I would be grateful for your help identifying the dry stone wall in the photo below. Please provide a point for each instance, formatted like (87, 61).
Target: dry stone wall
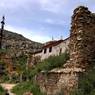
(82, 42)
(48, 82)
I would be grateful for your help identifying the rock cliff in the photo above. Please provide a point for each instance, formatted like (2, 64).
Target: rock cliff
(18, 44)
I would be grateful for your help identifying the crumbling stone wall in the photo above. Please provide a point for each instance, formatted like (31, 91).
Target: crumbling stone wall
(82, 52)
(48, 82)
(82, 41)
(58, 81)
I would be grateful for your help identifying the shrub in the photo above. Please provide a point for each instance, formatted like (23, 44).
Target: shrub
(2, 91)
(86, 83)
(50, 63)
(3, 50)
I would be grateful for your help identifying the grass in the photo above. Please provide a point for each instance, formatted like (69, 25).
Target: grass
(22, 88)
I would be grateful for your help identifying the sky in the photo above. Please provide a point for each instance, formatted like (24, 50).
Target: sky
(41, 20)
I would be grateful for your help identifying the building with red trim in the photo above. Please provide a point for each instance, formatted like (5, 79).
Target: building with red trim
(52, 48)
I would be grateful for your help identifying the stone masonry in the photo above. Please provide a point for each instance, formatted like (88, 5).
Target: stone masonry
(82, 41)
(82, 55)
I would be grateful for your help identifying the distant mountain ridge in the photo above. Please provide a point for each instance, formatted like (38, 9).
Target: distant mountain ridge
(18, 44)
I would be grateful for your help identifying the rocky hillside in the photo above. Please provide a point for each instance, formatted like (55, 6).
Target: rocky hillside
(18, 44)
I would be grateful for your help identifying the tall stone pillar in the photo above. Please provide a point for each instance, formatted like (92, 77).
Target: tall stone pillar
(82, 38)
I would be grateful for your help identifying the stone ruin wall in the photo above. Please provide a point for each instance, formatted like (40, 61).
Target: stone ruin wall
(82, 42)
(48, 82)
(57, 83)
(82, 55)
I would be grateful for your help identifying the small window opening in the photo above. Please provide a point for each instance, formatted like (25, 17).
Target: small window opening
(45, 50)
(50, 49)
(60, 51)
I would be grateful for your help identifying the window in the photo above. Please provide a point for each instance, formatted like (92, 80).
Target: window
(60, 51)
(45, 50)
(50, 49)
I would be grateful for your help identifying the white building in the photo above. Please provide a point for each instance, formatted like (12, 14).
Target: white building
(52, 48)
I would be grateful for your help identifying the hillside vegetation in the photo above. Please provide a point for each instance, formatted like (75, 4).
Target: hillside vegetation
(46, 65)
(50, 63)
(24, 87)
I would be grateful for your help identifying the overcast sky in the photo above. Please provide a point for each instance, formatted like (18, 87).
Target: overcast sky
(40, 20)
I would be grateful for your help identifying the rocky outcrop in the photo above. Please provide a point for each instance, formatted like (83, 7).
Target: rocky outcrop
(17, 44)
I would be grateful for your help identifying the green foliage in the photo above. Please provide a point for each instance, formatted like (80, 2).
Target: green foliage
(20, 67)
(2, 91)
(4, 78)
(22, 88)
(3, 50)
(21, 62)
(1, 62)
(87, 83)
(56, 61)
(50, 63)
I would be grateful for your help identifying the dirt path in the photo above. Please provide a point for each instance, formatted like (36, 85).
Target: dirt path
(8, 87)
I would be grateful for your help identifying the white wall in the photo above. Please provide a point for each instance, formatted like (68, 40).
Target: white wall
(55, 50)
